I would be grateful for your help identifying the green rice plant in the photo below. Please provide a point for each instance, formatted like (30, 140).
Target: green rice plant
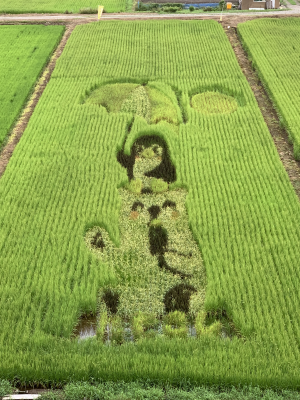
(135, 186)
(201, 329)
(274, 49)
(138, 103)
(102, 325)
(116, 330)
(66, 6)
(158, 185)
(140, 390)
(141, 323)
(111, 96)
(25, 50)
(148, 153)
(234, 202)
(156, 223)
(214, 103)
(175, 325)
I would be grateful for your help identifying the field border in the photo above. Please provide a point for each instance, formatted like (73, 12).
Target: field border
(22, 120)
(272, 119)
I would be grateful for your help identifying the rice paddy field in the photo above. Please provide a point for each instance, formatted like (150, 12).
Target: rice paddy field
(55, 6)
(146, 195)
(24, 52)
(273, 46)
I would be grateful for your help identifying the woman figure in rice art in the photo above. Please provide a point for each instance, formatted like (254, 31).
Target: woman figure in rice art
(158, 263)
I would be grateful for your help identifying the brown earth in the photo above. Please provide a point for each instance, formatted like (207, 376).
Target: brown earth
(231, 19)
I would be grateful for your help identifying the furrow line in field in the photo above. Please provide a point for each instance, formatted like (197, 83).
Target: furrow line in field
(41, 84)
(278, 133)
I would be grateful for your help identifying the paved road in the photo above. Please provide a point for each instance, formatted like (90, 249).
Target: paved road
(294, 11)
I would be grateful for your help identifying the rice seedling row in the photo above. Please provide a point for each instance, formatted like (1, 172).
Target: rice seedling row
(146, 190)
(65, 6)
(24, 52)
(274, 49)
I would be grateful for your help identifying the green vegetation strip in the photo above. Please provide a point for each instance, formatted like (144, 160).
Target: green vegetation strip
(64, 6)
(274, 48)
(63, 180)
(24, 52)
(146, 391)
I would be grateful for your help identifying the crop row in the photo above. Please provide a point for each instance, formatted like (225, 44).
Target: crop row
(273, 46)
(65, 6)
(63, 179)
(24, 52)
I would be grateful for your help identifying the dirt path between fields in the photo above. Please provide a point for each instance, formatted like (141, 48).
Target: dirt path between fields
(22, 123)
(279, 134)
(228, 18)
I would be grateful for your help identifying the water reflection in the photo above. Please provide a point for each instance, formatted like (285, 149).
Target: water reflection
(86, 328)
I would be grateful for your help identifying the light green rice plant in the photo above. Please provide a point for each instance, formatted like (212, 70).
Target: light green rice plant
(116, 330)
(24, 53)
(148, 153)
(175, 325)
(65, 6)
(201, 329)
(135, 186)
(111, 96)
(138, 103)
(158, 185)
(64, 178)
(276, 59)
(102, 325)
(214, 103)
(141, 323)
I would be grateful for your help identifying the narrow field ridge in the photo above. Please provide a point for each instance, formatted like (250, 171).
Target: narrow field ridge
(22, 123)
(21, 397)
(232, 17)
(279, 134)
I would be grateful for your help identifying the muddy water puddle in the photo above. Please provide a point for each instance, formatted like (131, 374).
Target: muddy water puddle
(86, 327)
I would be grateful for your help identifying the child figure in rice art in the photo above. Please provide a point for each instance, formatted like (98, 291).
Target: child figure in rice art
(158, 263)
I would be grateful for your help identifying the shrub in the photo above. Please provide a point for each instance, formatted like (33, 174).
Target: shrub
(191, 8)
(170, 9)
(5, 388)
(178, 5)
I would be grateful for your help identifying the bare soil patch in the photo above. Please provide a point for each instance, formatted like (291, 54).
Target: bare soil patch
(231, 19)
(279, 134)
